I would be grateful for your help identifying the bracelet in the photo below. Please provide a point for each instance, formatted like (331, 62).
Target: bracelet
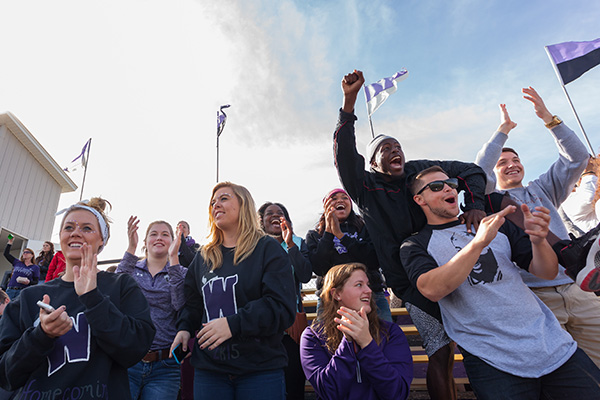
(555, 121)
(589, 173)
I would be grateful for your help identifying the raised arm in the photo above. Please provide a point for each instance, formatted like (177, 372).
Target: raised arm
(7, 254)
(349, 163)
(351, 84)
(437, 283)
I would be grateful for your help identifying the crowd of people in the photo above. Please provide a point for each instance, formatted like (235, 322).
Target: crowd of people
(502, 280)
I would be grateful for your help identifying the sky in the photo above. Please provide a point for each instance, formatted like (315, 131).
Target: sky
(144, 80)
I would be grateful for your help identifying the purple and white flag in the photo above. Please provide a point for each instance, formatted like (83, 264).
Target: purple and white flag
(80, 161)
(573, 59)
(221, 119)
(378, 92)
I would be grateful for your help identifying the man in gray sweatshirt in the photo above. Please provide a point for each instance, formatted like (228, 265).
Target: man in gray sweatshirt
(577, 311)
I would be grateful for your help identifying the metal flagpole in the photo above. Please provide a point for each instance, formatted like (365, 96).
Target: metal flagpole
(570, 102)
(218, 134)
(87, 159)
(367, 105)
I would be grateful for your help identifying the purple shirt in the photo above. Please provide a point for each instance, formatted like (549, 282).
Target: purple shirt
(164, 292)
(375, 372)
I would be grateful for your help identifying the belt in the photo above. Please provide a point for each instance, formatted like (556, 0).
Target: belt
(156, 355)
(15, 288)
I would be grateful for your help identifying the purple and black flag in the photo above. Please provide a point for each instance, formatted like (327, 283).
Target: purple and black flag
(573, 59)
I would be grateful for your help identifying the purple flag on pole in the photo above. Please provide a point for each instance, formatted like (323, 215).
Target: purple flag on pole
(221, 119)
(75, 164)
(573, 59)
(378, 92)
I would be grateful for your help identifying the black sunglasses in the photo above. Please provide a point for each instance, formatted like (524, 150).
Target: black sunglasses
(436, 186)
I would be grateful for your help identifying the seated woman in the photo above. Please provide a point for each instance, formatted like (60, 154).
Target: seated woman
(275, 221)
(341, 237)
(160, 277)
(239, 294)
(348, 352)
(24, 273)
(100, 326)
(44, 259)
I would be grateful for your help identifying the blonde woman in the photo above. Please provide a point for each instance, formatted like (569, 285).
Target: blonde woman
(99, 327)
(240, 295)
(24, 273)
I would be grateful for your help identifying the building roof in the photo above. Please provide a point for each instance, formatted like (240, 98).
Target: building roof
(37, 150)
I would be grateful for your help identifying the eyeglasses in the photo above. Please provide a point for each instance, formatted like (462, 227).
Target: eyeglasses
(436, 186)
(27, 252)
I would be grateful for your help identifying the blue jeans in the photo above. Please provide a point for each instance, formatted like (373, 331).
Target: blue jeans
(264, 385)
(578, 378)
(155, 380)
(383, 307)
(13, 293)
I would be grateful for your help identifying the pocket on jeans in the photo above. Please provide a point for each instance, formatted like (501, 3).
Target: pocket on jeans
(170, 363)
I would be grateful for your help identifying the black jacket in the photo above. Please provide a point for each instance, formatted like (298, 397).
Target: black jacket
(358, 246)
(389, 211)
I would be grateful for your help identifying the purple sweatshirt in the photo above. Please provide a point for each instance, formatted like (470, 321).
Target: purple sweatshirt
(164, 293)
(375, 372)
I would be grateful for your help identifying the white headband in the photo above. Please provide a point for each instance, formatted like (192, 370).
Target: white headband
(101, 221)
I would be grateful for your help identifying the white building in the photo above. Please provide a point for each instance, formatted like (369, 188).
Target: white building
(31, 183)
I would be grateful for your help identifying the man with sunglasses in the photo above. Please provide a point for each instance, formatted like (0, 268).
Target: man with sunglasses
(391, 216)
(513, 346)
(577, 311)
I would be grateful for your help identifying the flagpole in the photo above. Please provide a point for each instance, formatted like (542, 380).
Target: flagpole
(85, 168)
(218, 134)
(570, 102)
(367, 105)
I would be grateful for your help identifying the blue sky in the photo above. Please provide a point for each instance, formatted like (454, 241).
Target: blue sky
(144, 79)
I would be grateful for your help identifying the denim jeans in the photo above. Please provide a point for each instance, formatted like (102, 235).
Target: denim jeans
(13, 293)
(383, 307)
(155, 380)
(578, 378)
(264, 385)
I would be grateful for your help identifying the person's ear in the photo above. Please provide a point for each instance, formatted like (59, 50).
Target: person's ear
(419, 200)
(334, 294)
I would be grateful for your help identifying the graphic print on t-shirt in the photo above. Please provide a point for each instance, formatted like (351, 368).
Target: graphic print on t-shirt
(219, 297)
(485, 269)
(73, 346)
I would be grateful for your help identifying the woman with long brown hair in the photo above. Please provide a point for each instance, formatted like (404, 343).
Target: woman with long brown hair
(44, 259)
(160, 277)
(348, 352)
(239, 293)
